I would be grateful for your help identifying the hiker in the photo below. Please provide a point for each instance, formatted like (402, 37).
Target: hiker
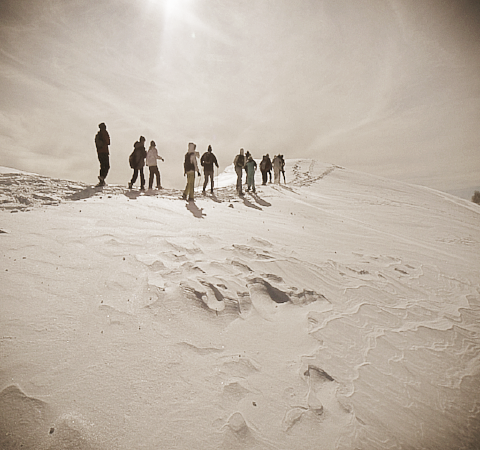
(266, 169)
(247, 155)
(102, 141)
(137, 161)
(277, 167)
(238, 164)
(152, 156)
(207, 160)
(189, 168)
(250, 168)
(282, 168)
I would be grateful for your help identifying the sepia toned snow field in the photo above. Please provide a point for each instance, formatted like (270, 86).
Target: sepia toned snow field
(338, 310)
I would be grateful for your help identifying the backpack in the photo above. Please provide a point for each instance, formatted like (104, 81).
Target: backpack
(98, 140)
(188, 165)
(207, 159)
(131, 160)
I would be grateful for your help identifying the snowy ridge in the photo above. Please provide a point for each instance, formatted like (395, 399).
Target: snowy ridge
(337, 311)
(21, 191)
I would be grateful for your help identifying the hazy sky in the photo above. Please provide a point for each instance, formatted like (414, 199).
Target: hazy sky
(389, 87)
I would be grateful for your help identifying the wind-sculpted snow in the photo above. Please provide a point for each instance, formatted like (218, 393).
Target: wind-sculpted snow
(23, 191)
(342, 311)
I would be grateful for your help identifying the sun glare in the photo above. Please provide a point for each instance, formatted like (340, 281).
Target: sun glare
(175, 8)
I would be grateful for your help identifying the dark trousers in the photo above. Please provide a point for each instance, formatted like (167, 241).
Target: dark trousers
(104, 160)
(208, 174)
(154, 172)
(264, 177)
(135, 176)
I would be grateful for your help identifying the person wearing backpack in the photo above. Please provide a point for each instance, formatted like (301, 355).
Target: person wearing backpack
(238, 164)
(265, 168)
(190, 166)
(137, 162)
(152, 156)
(207, 160)
(102, 141)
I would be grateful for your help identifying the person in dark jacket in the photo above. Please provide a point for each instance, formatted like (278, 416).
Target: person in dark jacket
(190, 166)
(102, 141)
(138, 163)
(207, 160)
(247, 156)
(238, 164)
(266, 169)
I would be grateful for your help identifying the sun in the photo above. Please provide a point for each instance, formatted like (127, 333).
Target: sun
(176, 8)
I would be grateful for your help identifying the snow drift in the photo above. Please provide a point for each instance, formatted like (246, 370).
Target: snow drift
(337, 311)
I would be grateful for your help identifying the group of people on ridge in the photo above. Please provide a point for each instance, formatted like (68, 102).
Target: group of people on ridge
(137, 162)
(136, 159)
(190, 167)
(278, 166)
(139, 156)
(245, 161)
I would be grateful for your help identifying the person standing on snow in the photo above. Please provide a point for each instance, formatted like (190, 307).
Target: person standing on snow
(152, 156)
(138, 162)
(102, 141)
(282, 169)
(190, 166)
(265, 168)
(238, 164)
(207, 160)
(247, 155)
(277, 167)
(250, 168)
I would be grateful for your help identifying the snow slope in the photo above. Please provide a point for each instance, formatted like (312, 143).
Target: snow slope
(337, 311)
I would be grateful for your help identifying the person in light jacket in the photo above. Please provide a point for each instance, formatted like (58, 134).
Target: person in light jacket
(152, 157)
(250, 168)
(277, 167)
(190, 167)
